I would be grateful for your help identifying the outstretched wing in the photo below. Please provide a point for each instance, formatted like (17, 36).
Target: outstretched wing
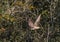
(30, 23)
(37, 20)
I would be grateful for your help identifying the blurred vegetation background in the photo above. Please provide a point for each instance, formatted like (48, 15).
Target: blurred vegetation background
(14, 15)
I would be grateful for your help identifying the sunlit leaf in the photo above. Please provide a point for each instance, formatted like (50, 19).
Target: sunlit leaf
(12, 19)
(31, 7)
(6, 16)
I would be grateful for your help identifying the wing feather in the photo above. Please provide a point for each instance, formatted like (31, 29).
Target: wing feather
(37, 20)
(30, 23)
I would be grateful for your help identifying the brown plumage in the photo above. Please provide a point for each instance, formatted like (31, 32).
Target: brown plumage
(35, 24)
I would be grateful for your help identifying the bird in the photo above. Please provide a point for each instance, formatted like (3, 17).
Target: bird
(34, 25)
